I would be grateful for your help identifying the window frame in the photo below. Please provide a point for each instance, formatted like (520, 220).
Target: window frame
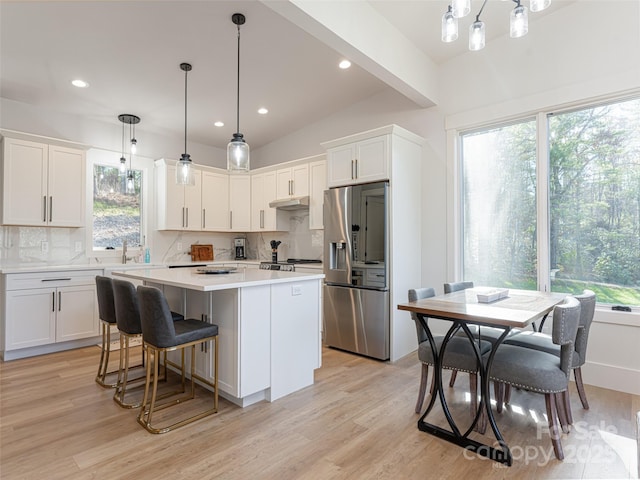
(112, 159)
(455, 257)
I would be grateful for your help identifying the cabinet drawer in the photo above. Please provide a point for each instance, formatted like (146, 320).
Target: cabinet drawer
(20, 281)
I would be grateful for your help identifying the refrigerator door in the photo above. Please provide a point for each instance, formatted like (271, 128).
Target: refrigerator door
(337, 238)
(357, 320)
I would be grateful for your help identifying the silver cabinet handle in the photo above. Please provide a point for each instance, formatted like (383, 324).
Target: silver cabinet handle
(182, 217)
(230, 220)
(55, 279)
(204, 218)
(186, 223)
(59, 300)
(53, 301)
(352, 166)
(50, 209)
(261, 218)
(44, 208)
(356, 168)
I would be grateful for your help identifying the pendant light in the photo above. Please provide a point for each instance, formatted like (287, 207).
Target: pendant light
(518, 21)
(184, 170)
(238, 149)
(449, 26)
(131, 120)
(123, 161)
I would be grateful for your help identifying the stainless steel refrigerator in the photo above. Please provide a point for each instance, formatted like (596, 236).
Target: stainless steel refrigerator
(356, 290)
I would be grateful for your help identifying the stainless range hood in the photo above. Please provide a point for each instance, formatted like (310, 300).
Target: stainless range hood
(294, 203)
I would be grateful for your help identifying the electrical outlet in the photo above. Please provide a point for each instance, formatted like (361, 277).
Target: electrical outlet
(44, 246)
(296, 290)
(179, 246)
(78, 247)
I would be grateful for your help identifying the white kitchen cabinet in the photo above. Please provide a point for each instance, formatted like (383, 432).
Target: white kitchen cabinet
(215, 201)
(317, 186)
(49, 307)
(263, 217)
(178, 207)
(43, 185)
(239, 203)
(358, 162)
(292, 181)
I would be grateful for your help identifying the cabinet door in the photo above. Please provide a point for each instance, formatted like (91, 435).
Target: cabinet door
(263, 191)
(173, 201)
(240, 202)
(198, 306)
(257, 202)
(341, 165)
(300, 180)
(193, 203)
(318, 182)
(76, 310)
(283, 183)
(372, 159)
(215, 201)
(66, 187)
(30, 318)
(24, 183)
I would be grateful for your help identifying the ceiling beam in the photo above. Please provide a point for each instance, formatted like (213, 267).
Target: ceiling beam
(362, 35)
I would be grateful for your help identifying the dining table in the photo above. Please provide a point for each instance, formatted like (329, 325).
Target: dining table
(517, 309)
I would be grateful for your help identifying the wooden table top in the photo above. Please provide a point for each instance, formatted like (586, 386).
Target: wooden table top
(518, 309)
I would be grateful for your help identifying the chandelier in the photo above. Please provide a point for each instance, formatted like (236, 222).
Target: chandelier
(518, 21)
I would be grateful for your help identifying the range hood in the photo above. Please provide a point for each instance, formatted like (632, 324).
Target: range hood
(294, 203)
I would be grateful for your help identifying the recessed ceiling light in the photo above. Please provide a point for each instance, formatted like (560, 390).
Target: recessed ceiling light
(344, 64)
(79, 83)
(219, 124)
(263, 111)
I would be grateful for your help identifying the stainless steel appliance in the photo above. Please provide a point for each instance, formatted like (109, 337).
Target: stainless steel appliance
(239, 244)
(356, 291)
(288, 265)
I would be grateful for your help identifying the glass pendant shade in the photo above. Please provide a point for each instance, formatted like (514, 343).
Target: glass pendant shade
(460, 8)
(519, 22)
(134, 146)
(123, 165)
(539, 5)
(238, 154)
(130, 182)
(449, 27)
(184, 171)
(476, 36)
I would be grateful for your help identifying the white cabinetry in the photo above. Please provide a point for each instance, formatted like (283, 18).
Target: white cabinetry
(178, 207)
(317, 186)
(49, 307)
(292, 181)
(239, 203)
(358, 162)
(215, 201)
(263, 217)
(42, 185)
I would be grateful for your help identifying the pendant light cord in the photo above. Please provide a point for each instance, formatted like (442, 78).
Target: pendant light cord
(238, 87)
(185, 110)
(480, 12)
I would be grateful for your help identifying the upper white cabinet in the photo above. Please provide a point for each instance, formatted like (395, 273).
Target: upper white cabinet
(358, 162)
(215, 201)
(317, 186)
(43, 184)
(178, 207)
(263, 217)
(239, 203)
(292, 181)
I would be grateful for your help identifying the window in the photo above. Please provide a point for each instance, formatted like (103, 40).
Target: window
(592, 224)
(116, 214)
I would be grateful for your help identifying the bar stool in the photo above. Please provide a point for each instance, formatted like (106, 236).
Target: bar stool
(107, 314)
(162, 335)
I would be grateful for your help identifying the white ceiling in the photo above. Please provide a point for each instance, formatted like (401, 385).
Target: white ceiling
(130, 53)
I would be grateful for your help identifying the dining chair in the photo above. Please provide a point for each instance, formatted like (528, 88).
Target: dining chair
(107, 315)
(161, 334)
(544, 343)
(459, 354)
(542, 372)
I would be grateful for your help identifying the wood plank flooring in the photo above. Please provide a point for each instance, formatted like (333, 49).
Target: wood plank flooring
(355, 422)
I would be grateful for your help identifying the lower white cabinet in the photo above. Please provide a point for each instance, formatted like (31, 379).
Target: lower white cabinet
(50, 307)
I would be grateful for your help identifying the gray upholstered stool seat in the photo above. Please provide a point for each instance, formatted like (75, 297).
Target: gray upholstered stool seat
(161, 334)
(107, 314)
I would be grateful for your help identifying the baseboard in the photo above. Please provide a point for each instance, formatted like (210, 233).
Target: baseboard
(612, 377)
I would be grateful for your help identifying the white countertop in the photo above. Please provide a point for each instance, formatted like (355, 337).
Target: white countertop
(189, 278)
(35, 268)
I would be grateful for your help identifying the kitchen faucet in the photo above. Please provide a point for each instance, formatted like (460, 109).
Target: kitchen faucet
(124, 252)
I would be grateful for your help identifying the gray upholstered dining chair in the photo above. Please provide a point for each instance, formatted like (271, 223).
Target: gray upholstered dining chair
(107, 315)
(542, 372)
(544, 343)
(459, 354)
(161, 334)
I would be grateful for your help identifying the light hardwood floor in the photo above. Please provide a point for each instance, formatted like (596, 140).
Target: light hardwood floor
(355, 422)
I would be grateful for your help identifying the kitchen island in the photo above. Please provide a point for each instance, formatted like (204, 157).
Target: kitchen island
(269, 325)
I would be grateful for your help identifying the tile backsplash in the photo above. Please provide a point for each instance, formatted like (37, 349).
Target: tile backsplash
(31, 246)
